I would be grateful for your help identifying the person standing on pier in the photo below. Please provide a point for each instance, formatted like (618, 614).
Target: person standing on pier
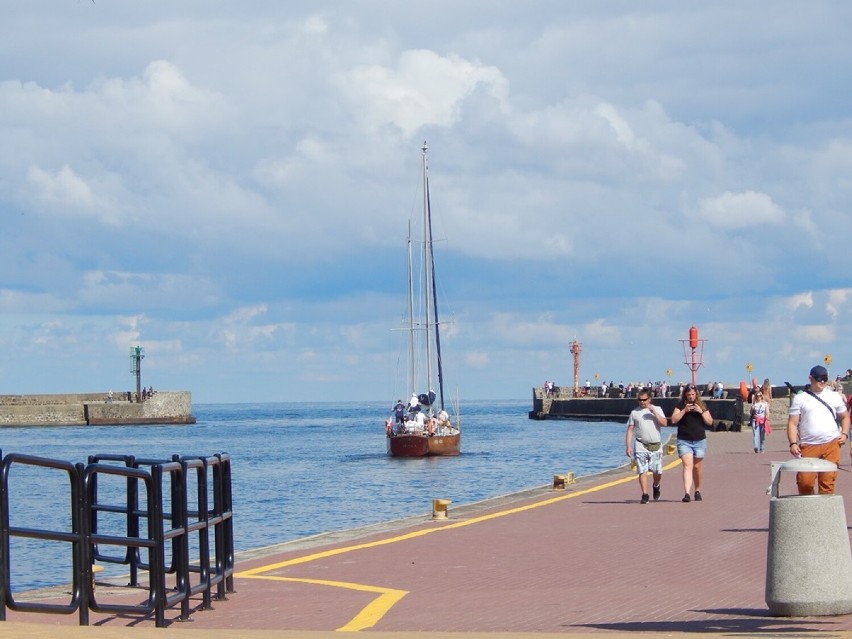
(759, 421)
(812, 430)
(691, 417)
(643, 443)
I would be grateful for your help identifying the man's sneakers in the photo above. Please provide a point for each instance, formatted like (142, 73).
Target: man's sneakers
(645, 498)
(686, 498)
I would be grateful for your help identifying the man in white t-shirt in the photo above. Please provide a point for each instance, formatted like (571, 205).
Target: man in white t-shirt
(643, 426)
(812, 430)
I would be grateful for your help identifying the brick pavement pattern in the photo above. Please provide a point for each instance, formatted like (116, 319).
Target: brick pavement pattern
(590, 559)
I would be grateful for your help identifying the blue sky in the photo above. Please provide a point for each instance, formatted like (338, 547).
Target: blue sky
(228, 186)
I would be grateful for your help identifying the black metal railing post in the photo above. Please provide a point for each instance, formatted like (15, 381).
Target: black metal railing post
(74, 537)
(171, 525)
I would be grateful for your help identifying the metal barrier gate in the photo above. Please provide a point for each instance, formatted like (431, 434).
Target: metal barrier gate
(169, 509)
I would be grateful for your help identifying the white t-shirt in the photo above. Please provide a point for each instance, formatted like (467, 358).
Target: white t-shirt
(645, 427)
(419, 421)
(817, 425)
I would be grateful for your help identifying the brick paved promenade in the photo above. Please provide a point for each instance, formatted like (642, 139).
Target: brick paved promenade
(588, 560)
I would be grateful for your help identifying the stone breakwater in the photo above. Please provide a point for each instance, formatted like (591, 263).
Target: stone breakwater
(80, 409)
(729, 414)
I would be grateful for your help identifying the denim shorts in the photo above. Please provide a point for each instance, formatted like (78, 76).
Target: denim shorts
(688, 447)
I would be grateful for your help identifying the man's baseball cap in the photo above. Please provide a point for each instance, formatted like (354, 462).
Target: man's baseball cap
(819, 373)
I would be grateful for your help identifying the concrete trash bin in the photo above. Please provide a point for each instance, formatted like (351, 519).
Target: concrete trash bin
(808, 558)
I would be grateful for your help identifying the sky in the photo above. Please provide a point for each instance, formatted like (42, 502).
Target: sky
(229, 186)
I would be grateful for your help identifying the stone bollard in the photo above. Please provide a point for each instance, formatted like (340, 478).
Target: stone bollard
(808, 559)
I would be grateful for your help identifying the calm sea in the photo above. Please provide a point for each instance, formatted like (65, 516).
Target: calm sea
(304, 468)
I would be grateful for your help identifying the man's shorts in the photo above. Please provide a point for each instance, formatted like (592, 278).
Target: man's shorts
(646, 460)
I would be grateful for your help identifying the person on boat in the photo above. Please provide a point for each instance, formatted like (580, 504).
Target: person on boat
(431, 423)
(399, 411)
(419, 420)
(404, 426)
(443, 422)
(413, 403)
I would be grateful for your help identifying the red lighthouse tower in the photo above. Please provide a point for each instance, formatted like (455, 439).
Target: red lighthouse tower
(693, 353)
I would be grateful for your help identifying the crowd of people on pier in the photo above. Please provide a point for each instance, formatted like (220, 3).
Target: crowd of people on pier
(628, 390)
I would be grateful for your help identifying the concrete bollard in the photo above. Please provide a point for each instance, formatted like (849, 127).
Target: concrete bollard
(808, 559)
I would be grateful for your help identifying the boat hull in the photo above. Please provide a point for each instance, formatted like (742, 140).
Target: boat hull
(418, 445)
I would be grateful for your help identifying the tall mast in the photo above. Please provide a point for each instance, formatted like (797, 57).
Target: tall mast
(412, 368)
(427, 272)
(431, 286)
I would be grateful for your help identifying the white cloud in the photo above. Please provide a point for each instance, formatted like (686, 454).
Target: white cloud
(162, 96)
(734, 211)
(601, 331)
(836, 301)
(476, 359)
(424, 89)
(64, 192)
(128, 336)
(804, 299)
(816, 334)
(62, 188)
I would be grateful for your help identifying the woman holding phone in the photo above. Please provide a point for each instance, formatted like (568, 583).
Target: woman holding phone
(691, 418)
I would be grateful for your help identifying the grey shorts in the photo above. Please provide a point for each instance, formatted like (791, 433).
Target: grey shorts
(648, 461)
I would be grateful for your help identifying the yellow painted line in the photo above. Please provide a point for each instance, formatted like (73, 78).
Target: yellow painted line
(428, 531)
(379, 607)
(369, 615)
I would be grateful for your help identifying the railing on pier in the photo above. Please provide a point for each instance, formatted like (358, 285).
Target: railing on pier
(159, 514)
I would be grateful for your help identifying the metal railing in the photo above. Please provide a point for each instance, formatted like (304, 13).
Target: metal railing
(153, 522)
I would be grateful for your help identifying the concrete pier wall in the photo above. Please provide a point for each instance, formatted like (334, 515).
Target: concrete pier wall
(727, 413)
(731, 413)
(77, 409)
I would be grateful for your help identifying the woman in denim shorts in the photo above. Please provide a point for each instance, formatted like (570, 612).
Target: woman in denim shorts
(691, 417)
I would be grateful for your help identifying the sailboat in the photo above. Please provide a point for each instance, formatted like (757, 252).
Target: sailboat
(422, 426)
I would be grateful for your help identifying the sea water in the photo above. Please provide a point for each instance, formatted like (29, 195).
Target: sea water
(299, 469)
